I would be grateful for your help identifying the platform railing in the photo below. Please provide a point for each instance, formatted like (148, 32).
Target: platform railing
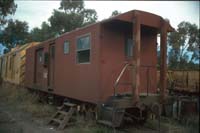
(119, 77)
(123, 71)
(148, 77)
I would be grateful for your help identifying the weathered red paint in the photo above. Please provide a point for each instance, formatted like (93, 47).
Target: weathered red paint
(136, 59)
(93, 82)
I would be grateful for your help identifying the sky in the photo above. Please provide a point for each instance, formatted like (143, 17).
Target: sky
(35, 12)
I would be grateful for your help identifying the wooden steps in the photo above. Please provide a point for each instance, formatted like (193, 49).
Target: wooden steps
(63, 117)
(56, 120)
(108, 123)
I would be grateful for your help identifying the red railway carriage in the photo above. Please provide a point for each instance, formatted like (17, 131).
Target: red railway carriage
(84, 64)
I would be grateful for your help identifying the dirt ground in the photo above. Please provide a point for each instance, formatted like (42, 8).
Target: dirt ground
(20, 112)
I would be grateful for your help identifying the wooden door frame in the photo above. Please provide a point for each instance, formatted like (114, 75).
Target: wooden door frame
(49, 67)
(35, 66)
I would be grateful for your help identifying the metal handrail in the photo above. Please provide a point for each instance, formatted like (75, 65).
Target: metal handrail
(119, 77)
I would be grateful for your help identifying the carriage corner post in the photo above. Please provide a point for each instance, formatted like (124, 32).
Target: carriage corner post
(136, 58)
(163, 68)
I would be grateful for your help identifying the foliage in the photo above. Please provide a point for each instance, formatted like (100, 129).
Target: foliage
(115, 12)
(16, 32)
(7, 7)
(62, 22)
(41, 34)
(184, 44)
(72, 6)
(71, 15)
(90, 16)
(74, 16)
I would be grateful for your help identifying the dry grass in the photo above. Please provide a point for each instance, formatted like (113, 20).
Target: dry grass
(191, 123)
(186, 125)
(21, 98)
(90, 129)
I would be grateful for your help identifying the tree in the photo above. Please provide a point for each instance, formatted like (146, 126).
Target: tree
(71, 15)
(90, 16)
(61, 22)
(72, 6)
(7, 7)
(42, 34)
(114, 13)
(184, 46)
(74, 16)
(16, 32)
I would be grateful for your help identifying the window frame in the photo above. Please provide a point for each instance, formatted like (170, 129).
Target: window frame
(90, 48)
(68, 42)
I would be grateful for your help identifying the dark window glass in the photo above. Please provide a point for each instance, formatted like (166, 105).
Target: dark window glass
(52, 51)
(83, 56)
(40, 56)
(46, 58)
(129, 48)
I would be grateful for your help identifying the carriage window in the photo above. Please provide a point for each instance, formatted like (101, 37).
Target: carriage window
(129, 48)
(52, 51)
(66, 47)
(83, 49)
(40, 56)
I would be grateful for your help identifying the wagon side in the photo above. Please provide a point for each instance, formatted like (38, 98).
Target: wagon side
(63, 67)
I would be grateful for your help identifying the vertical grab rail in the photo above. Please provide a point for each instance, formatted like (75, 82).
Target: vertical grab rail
(148, 82)
(119, 77)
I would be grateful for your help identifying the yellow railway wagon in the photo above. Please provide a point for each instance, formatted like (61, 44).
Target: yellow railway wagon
(4, 63)
(13, 64)
(183, 80)
(186, 80)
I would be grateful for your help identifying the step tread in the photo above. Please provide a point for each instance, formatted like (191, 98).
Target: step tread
(63, 112)
(105, 122)
(56, 120)
(69, 104)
